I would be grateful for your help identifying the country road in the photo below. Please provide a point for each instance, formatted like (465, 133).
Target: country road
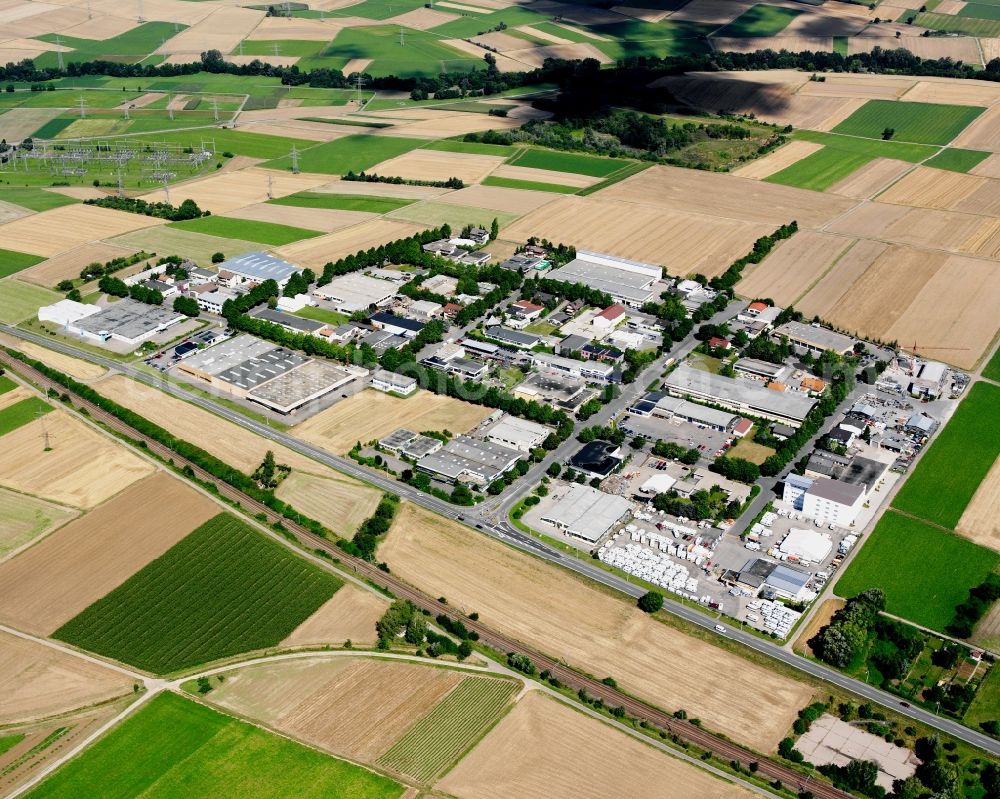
(504, 532)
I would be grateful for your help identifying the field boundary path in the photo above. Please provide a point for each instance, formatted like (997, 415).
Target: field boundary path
(507, 535)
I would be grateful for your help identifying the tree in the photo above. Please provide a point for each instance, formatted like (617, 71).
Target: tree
(218, 258)
(187, 306)
(554, 469)
(494, 229)
(651, 602)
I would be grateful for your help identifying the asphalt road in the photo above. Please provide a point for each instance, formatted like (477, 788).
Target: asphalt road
(504, 532)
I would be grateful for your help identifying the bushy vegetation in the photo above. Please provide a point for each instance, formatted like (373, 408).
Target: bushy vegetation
(119, 288)
(371, 177)
(981, 599)
(161, 210)
(366, 539)
(841, 641)
(224, 589)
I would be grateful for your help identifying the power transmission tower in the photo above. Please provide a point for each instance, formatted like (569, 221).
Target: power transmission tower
(401, 39)
(215, 109)
(295, 160)
(270, 187)
(170, 108)
(360, 81)
(166, 190)
(121, 182)
(46, 435)
(59, 56)
(83, 107)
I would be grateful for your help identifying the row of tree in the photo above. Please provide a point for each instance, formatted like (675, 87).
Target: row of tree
(161, 210)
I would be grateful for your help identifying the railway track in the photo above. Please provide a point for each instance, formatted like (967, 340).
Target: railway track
(725, 750)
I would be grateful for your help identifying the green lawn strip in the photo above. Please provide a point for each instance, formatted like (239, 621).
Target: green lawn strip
(437, 739)
(355, 152)
(342, 202)
(530, 185)
(876, 148)
(922, 123)
(12, 261)
(255, 145)
(6, 384)
(616, 177)
(576, 163)
(475, 148)
(955, 160)
(759, 20)
(840, 45)
(925, 571)
(53, 127)
(246, 229)
(222, 590)
(20, 413)
(981, 11)
(323, 315)
(8, 742)
(992, 368)
(986, 705)
(473, 24)
(20, 300)
(175, 748)
(820, 170)
(950, 471)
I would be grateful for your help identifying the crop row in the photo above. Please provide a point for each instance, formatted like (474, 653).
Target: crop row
(222, 590)
(441, 736)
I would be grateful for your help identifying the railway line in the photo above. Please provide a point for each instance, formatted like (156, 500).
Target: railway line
(720, 747)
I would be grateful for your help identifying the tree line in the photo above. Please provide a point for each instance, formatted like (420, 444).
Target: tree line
(161, 210)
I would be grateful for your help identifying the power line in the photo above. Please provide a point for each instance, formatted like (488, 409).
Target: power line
(215, 109)
(83, 107)
(59, 55)
(295, 160)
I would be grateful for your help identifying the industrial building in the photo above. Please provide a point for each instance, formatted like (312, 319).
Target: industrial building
(658, 405)
(397, 325)
(470, 460)
(392, 383)
(514, 338)
(628, 282)
(409, 444)
(811, 546)
(290, 322)
(356, 292)
(309, 381)
(584, 512)
(826, 500)
(584, 370)
(564, 392)
(126, 321)
(756, 369)
(596, 458)
(256, 267)
(761, 575)
(742, 396)
(516, 433)
(815, 339)
(66, 312)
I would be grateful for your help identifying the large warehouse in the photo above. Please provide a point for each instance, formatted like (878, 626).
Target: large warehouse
(629, 282)
(584, 512)
(256, 267)
(355, 292)
(470, 461)
(740, 395)
(126, 321)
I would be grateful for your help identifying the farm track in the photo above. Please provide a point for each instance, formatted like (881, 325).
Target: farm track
(723, 749)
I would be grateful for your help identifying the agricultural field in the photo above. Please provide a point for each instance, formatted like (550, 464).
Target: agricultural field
(821, 170)
(39, 681)
(11, 262)
(173, 747)
(355, 153)
(544, 749)
(21, 413)
(925, 571)
(759, 20)
(576, 163)
(957, 461)
(222, 590)
(349, 616)
(340, 504)
(431, 212)
(955, 159)
(434, 742)
(923, 123)
(51, 582)
(80, 369)
(371, 415)
(529, 185)
(20, 300)
(991, 370)
(512, 592)
(422, 164)
(246, 230)
(61, 474)
(24, 519)
(342, 202)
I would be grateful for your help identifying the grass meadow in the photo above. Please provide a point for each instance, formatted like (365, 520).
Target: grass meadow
(175, 748)
(992, 369)
(925, 571)
(246, 229)
(956, 23)
(593, 166)
(11, 261)
(128, 47)
(351, 153)
(950, 471)
(956, 160)
(875, 148)
(471, 147)
(35, 199)
(20, 413)
(529, 185)
(20, 300)
(222, 590)
(922, 123)
(342, 202)
(760, 20)
(820, 170)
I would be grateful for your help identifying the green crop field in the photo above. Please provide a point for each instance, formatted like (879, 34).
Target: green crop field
(255, 145)
(472, 24)
(128, 47)
(924, 571)
(529, 185)
(20, 300)
(434, 742)
(760, 20)
(342, 202)
(11, 261)
(593, 166)
(323, 315)
(222, 590)
(959, 457)
(875, 148)
(923, 123)
(956, 160)
(957, 23)
(246, 230)
(992, 369)
(421, 53)
(35, 199)
(6, 384)
(20, 413)
(53, 127)
(980, 11)
(357, 152)
(820, 170)
(174, 748)
(636, 38)
(195, 246)
(840, 45)
(8, 742)
(475, 148)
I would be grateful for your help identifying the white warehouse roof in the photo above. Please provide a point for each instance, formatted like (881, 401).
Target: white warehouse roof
(585, 512)
(66, 312)
(810, 545)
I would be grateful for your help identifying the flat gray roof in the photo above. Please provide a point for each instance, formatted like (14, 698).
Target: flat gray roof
(836, 490)
(356, 292)
(816, 336)
(259, 266)
(617, 282)
(298, 385)
(264, 367)
(397, 438)
(227, 354)
(128, 318)
(586, 512)
(686, 380)
(464, 454)
(288, 320)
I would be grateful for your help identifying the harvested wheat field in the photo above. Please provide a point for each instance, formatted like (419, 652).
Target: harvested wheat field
(725, 196)
(353, 707)
(81, 370)
(958, 48)
(299, 129)
(420, 19)
(873, 177)
(50, 583)
(322, 219)
(68, 265)
(23, 519)
(341, 504)
(504, 63)
(866, 87)
(794, 266)
(829, 291)
(497, 198)
(102, 27)
(988, 168)
(14, 396)
(221, 30)
(228, 191)
(531, 174)
(314, 253)
(795, 44)
(925, 187)
(350, 615)
(455, 124)
(982, 134)
(589, 628)
(437, 165)
(401, 192)
(781, 158)
(298, 29)
(20, 122)
(369, 415)
(60, 229)
(37, 681)
(63, 474)
(981, 519)
(954, 92)
(987, 632)
(820, 618)
(683, 242)
(543, 749)
(9, 212)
